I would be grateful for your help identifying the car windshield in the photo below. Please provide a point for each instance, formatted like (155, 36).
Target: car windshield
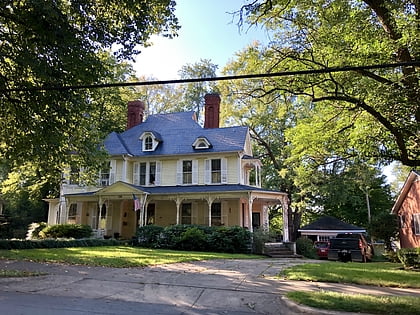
(321, 245)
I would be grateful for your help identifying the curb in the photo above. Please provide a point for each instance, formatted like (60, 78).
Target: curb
(304, 309)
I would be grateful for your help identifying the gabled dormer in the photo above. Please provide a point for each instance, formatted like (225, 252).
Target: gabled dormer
(150, 141)
(201, 143)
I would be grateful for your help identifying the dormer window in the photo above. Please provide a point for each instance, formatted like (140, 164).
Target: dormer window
(150, 141)
(201, 143)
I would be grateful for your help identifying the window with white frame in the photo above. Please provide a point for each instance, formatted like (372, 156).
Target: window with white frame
(147, 173)
(72, 217)
(74, 178)
(104, 175)
(150, 141)
(186, 211)
(416, 223)
(216, 214)
(216, 171)
(187, 172)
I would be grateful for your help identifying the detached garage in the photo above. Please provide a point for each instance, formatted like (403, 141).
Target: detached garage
(328, 227)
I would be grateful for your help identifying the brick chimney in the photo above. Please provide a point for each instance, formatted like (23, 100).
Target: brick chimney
(135, 111)
(211, 110)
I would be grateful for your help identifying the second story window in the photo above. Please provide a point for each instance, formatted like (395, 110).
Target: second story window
(104, 175)
(147, 173)
(74, 176)
(216, 171)
(187, 172)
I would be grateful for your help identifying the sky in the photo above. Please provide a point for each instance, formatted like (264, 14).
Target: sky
(208, 31)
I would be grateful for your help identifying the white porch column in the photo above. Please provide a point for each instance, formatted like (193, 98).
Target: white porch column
(178, 202)
(250, 202)
(285, 206)
(210, 202)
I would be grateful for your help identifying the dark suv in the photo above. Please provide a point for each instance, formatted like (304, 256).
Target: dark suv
(350, 247)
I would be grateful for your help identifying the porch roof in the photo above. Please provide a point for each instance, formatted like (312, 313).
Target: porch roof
(162, 190)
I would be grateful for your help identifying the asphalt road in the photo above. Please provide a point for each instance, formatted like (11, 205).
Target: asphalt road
(204, 287)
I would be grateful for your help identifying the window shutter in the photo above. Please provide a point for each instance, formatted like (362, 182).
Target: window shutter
(158, 172)
(224, 171)
(113, 169)
(195, 172)
(179, 172)
(136, 174)
(207, 172)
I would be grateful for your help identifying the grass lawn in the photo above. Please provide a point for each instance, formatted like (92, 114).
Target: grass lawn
(114, 256)
(376, 273)
(390, 305)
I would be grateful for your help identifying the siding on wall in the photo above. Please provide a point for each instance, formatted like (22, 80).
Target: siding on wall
(410, 206)
(169, 169)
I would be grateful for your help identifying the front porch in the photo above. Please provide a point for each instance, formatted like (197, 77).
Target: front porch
(117, 210)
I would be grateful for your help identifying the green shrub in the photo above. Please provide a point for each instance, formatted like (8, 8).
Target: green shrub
(196, 237)
(56, 243)
(391, 256)
(149, 236)
(193, 238)
(34, 229)
(259, 238)
(305, 247)
(66, 231)
(232, 239)
(409, 257)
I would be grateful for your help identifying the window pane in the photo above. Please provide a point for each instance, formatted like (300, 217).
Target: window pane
(142, 173)
(216, 214)
(216, 174)
(187, 172)
(152, 173)
(186, 213)
(148, 143)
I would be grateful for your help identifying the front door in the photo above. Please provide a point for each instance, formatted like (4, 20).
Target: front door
(256, 220)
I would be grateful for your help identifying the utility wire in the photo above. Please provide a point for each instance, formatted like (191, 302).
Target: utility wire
(225, 78)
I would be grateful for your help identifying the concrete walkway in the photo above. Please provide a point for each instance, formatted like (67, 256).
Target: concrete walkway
(205, 287)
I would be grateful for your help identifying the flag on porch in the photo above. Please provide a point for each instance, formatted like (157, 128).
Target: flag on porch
(136, 203)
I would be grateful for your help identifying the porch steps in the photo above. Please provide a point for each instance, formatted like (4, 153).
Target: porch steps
(279, 250)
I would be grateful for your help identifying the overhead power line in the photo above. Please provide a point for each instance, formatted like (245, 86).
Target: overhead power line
(224, 78)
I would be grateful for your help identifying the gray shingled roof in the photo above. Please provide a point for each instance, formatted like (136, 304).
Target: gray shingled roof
(329, 223)
(178, 131)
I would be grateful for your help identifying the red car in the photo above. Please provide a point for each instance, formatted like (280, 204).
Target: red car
(322, 249)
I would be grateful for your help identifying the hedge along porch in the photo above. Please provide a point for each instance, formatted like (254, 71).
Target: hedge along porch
(111, 210)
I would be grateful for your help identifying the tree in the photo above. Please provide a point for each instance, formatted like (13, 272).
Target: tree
(193, 93)
(60, 43)
(371, 114)
(317, 179)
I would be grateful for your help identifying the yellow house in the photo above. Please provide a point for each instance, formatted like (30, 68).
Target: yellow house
(171, 170)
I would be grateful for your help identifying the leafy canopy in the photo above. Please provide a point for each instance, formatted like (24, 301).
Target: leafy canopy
(61, 43)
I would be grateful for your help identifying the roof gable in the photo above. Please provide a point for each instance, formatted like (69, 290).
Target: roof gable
(412, 177)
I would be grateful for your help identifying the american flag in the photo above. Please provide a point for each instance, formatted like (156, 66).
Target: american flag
(136, 203)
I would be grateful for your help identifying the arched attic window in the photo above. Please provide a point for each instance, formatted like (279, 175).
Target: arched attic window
(150, 141)
(201, 143)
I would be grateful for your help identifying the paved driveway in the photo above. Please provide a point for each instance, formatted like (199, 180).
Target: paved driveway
(205, 287)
